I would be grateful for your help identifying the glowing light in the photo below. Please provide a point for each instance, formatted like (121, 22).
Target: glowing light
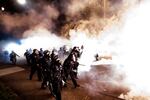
(12, 47)
(92, 45)
(22, 2)
(2, 8)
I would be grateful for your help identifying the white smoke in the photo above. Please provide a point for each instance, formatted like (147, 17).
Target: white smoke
(128, 46)
(36, 38)
(134, 49)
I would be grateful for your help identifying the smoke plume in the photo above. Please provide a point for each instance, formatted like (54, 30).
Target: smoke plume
(102, 27)
(62, 15)
(16, 23)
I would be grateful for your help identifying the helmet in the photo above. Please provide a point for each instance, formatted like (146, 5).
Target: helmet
(75, 49)
(35, 51)
(27, 50)
(46, 53)
(54, 55)
(41, 49)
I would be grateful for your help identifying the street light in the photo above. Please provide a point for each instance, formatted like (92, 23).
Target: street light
(22, 2)
(2, 8)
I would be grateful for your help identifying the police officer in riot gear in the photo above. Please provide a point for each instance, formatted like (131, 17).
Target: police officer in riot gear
(13, 57)
(35, 65)
(69, 69)
(56, 70)
(76, 52)
(27, 55)
(45, 66)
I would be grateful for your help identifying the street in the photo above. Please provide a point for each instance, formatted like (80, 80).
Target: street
(93, 86)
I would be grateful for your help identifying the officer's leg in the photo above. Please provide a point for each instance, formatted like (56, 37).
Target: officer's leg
(57, 91)
(39, 74)
(15, 60)
(28, 61)
(65, 75)
(43, 83)
(33, 69)
(44, 80)
(76, 68)
(58, 95)
(73, 80)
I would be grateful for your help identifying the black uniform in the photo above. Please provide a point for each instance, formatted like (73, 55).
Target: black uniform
(13, 57)
(69, 69)
(41, 53)
(27, 55)
(56, 69)
(35, 65)
(76, 53)
(97, 57)
(45, 65)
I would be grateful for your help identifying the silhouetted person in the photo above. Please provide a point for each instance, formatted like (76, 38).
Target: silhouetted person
(13, 57)
(28, 58)
(35, 65)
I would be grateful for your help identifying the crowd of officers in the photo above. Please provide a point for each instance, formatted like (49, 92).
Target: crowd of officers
(51, 71)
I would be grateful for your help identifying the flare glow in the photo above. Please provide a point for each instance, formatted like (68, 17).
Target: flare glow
(22, 2)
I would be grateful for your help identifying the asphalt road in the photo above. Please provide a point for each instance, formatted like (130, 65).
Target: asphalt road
(96, 84)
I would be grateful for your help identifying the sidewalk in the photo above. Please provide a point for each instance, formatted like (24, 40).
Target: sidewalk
(7, 71)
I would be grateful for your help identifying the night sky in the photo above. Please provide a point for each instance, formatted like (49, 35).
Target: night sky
(12, 7)
(57, 16)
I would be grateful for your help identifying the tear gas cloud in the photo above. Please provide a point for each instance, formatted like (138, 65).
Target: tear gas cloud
(42, 14)
(134, 49)
(17, 24)
(130, 50)
(123, 36)
(37, 23)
